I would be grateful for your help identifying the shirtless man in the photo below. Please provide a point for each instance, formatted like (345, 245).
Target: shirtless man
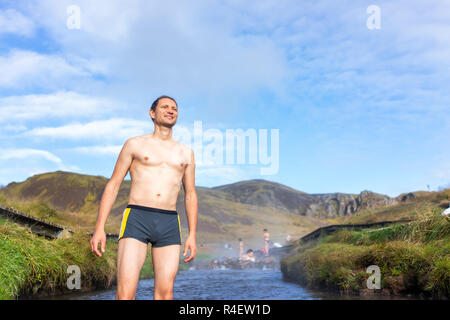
(241, 248)
(266, 237)
(157, 164)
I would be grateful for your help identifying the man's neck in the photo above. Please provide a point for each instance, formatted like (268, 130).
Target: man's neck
(162, 133)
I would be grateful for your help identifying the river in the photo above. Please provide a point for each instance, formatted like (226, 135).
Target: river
(219, 284)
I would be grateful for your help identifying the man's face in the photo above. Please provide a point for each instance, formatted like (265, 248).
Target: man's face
(166, 112)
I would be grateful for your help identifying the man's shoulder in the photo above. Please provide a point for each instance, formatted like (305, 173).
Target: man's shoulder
(137, 139)
(134, 143)
(131, 141)
(186, 151)
(183, 146)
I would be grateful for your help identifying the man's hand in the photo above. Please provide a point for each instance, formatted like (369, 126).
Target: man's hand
(98, 237)
(190, 245)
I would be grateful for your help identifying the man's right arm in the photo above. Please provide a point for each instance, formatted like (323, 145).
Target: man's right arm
(110, 194)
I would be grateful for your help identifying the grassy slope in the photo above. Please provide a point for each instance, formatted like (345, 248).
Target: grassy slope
(225, 225)
(413, 258)
(76, 198)
(30, 263)
(210, 241)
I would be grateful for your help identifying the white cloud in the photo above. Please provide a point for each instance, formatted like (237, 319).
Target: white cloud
(15, 128)
(389, 83)
(8, 154)
(61, 104)
(12, 21)
(17, 164)
(98, 150)
(111, 130)
(103, 130)
(26, 69)
(226, 51)
(182, 47)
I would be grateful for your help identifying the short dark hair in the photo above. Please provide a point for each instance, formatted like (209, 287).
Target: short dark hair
(155, 103)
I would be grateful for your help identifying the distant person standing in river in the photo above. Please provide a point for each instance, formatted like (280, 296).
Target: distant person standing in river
(157, 164)
(266, 237)
(241, 248)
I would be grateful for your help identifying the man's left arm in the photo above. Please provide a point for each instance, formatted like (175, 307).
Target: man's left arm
(191, 204)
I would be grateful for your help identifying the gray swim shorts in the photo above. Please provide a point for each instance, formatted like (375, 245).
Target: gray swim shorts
(160, 227)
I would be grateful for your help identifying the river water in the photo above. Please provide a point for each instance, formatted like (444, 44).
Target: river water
(219, 284)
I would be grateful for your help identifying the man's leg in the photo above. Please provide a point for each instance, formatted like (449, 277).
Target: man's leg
(130, 259)
(165, 267)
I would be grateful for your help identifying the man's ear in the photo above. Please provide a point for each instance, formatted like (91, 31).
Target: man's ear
(150, 113)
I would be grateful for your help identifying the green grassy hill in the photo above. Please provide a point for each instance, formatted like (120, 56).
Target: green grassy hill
(225, 214)
(242, 209)
(72, 200)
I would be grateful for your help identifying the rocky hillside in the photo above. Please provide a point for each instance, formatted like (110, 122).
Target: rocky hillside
(326, 205)
(225, 211)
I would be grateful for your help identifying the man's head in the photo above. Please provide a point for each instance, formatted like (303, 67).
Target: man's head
(164, 111)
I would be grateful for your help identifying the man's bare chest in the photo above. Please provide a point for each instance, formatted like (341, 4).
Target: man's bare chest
(160, 156)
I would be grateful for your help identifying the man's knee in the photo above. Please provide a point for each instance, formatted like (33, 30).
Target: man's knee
(125, 297)
(164, 293)
(123, 294)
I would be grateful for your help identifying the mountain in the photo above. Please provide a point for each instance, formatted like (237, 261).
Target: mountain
(228, 211)
(327, 205)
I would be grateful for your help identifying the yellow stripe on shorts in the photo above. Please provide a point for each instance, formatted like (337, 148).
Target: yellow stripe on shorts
(179, 226)
(124, 222)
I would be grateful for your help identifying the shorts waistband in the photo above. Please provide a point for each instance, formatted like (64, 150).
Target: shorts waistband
(150, 209)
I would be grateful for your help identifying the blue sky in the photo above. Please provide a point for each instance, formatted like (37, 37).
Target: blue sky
(355, 108)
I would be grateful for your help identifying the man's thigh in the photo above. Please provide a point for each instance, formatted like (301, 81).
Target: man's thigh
(130, 259)
(165, 265)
